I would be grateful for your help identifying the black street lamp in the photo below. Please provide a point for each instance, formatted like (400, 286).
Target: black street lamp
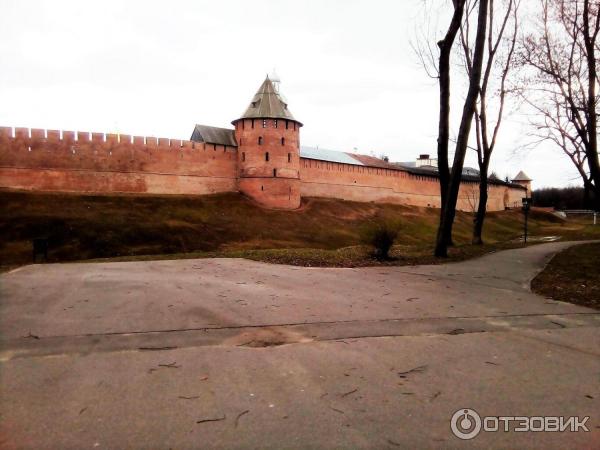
(526, 206)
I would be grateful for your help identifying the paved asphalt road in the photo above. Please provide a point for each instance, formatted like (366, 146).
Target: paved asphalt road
(229, 353)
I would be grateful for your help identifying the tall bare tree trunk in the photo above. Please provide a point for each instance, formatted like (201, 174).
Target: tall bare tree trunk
(482, 205)
(500, 65)
(449, 208)
(589, 38)
(445, 46)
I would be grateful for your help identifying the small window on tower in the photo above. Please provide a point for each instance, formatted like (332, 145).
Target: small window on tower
(264, 123)
(243, 156)
(260, 140)
(282, 141)
(287, 124)
(252, 121)
(289, 157)
(266, 156)
(275, 121)
(275, 172)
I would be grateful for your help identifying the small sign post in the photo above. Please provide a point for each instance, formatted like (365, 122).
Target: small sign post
(526, 205)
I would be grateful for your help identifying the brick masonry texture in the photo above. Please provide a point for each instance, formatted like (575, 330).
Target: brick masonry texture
(269, 161)
(68, 161)
(371, 184)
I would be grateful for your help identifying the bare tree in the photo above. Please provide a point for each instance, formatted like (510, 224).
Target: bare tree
(443, 69)
(499, 59)
(560, 66)
(472, 195)
(449, 191)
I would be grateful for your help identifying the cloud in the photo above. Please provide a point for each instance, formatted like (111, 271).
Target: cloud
(157, 68)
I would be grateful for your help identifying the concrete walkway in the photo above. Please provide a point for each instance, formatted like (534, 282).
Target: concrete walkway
(188, 354)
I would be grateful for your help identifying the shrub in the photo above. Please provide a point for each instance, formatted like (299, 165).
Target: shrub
(381, 237)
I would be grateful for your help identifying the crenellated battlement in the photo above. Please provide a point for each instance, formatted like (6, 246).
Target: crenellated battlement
(260, 158)
(82, 161)
(40, 136)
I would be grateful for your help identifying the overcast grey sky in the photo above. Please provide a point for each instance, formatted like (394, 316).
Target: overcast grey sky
(156, 68)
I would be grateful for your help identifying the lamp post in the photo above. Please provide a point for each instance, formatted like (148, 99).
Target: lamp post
(526, 205)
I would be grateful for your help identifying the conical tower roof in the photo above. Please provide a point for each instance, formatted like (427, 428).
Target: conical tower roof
(267, 104)
(521, 176)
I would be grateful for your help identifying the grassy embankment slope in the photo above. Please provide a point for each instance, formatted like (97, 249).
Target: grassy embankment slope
(572, 276)
(323, 232)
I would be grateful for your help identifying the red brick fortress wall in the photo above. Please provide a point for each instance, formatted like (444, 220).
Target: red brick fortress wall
(269, 161)
(371, 184)
(51, 160)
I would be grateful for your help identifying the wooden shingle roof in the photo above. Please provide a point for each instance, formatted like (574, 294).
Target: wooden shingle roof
(267, 103)
(214, 135)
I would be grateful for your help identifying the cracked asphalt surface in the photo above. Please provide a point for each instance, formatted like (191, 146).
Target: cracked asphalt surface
(230, 353)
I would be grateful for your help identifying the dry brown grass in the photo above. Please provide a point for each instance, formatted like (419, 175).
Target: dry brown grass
(323, 232)
(572, 276)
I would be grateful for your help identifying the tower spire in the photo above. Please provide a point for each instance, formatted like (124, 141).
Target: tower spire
(268, 103)
(275, 80)
(268, 137)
